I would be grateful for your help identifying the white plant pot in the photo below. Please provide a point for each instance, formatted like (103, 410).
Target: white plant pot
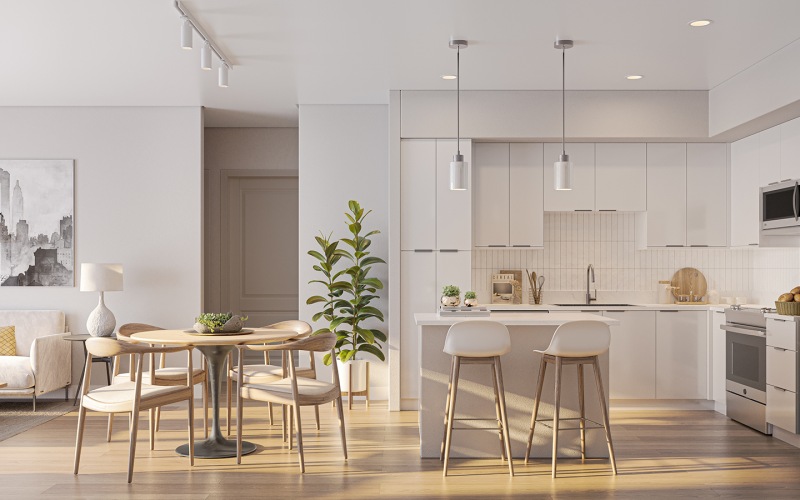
(359, 373)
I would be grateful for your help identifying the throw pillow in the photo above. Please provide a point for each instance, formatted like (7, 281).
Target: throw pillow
(8, 341)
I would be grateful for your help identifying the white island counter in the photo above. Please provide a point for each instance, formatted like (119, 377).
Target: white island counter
(529, 331)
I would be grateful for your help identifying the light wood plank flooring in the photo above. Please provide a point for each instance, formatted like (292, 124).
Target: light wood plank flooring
(661, 454)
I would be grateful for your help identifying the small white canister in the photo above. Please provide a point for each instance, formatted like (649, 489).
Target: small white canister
(665, 292)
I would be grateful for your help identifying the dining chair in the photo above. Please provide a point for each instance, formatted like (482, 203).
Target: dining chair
(133, 395)
(293, 391)
(164, 375)
(266, 373)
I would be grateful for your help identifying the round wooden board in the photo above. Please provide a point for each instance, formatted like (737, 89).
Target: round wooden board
(689, 279)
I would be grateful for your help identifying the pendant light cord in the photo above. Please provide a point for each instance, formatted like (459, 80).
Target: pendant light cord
(563, 108)
(458, 100)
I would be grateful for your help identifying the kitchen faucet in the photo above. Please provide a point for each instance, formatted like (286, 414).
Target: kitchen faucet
(589, 298)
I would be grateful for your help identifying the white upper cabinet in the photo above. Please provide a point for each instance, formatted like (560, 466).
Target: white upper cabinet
(490, 182)
(453, 208)
(621, 177)
(581, 196)
(769, 156)
(526, 215)
(744, 191)
(417, 194)
(666, 195)
(790, 149)
(706, 195)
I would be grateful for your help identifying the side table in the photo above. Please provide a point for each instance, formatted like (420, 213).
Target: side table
(108, 361)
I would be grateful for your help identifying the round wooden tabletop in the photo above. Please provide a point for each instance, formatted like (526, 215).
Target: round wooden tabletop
(181, 337)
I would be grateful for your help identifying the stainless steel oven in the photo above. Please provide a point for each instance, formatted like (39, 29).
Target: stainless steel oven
(746, 367)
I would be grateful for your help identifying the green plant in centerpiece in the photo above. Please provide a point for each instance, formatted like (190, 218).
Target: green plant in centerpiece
(217, 321)
(348, 302)
(451, 291)
(470, 295)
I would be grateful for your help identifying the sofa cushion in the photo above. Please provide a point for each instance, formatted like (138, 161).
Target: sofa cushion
(16, 371)
(8, 341)
(30, 324)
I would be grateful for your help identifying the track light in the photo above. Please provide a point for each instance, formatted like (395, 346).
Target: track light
(186, 33)
(205, 56)
(223, 75)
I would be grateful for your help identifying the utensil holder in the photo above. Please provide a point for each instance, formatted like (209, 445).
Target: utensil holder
(534, 297)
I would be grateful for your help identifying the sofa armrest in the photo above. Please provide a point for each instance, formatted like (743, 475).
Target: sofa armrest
(51, 361)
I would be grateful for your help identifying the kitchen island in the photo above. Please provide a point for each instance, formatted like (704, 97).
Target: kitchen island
(529, 331)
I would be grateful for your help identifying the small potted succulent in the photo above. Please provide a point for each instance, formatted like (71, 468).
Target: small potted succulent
(450, 296)
(219, 323)
(470, 299)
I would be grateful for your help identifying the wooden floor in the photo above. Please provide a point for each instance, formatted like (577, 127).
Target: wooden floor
(678, 454)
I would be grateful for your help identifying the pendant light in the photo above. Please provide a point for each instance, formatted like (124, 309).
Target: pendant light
(562, 169)
(459, 179)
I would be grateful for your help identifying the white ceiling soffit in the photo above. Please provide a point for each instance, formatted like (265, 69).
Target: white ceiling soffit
(289, 52)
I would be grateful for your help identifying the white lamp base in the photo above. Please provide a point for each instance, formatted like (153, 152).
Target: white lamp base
(101, 322)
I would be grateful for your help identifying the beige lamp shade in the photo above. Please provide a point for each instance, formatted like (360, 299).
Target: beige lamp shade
(101, 277)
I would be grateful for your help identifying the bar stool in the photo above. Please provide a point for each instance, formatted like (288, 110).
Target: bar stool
(574, 343)
(476, 342)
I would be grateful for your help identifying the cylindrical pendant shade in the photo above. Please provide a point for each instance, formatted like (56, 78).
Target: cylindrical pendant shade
(562, 174)
(205, 56)
(459, 178)
(223, 75)
(186, 34)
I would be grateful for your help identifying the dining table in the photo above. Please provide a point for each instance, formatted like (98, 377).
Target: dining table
(215, 347)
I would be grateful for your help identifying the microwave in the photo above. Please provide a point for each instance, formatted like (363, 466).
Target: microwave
(780, 207)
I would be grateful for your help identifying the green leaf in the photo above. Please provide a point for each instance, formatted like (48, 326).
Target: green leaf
(373, 282)
(315, 299)
(379, 335)
(321, 330)
(316, 317)
(368, 261)
(367, 335)
(326, 359)
(354, 228)
(372, 349)
(316, 255)
(338, 321)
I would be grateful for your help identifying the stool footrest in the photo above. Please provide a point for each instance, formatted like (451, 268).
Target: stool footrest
(549, 424)
(484, 421)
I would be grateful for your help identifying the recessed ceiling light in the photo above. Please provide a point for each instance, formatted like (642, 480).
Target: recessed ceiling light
(449, 77)
(700, 23)
(634, 77)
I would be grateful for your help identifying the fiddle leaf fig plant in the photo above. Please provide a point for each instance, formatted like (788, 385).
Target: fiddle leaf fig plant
(350, 291)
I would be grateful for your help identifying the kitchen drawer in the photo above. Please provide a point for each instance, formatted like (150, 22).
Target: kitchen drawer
(782, 368)
(782, 333)
(782, 408)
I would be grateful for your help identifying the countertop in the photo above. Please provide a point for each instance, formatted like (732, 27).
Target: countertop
(602, 307)
(515, 318)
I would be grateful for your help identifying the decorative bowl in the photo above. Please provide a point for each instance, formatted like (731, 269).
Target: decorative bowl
(233, 325)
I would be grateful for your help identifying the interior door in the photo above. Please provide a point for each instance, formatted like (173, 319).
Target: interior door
(260, 266)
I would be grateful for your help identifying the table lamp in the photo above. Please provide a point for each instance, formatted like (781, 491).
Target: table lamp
(101, 278)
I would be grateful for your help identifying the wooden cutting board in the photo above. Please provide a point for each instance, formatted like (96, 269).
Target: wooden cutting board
(689, 280)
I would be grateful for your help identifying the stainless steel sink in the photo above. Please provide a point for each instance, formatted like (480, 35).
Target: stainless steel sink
(596, 305)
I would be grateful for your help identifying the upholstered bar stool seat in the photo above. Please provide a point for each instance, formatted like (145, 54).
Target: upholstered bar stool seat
(577, 343)
(477, 342)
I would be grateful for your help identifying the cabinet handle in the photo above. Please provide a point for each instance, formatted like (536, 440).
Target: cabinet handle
(699, 246)
(784, 180)
(667, 311)
(752, 244)
(423, 250)
(780, 349)
(448, 250)
(674, 246)
(607, 210)
(773, 183)
(582, 210)
(615, 311)
(521, 246)
(497, 246)
(778, 388)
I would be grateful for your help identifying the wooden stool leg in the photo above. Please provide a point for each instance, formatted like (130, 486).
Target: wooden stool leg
(447, 407)
(535, 413)
(598, 378)
(504, 413)
(582, 410)
(497, 414)
(556, 410)
(450, 413)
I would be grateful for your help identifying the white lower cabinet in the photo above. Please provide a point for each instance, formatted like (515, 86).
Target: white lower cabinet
(782, 408)
(422, 276)
(782, 375)
(718, 361)
(632, 355)
(681, 354)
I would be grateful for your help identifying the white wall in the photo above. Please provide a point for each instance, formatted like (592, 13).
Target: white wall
(237, 149)
(138, 201)
(344, 155)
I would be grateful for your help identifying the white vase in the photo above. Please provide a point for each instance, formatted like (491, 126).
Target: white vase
(101, 321)
(358, 368)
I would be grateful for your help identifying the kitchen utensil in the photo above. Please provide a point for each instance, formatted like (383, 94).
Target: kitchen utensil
(689, 281)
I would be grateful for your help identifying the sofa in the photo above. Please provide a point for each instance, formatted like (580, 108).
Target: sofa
(43, 361)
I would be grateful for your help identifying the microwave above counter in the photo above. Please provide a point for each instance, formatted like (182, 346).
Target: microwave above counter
(780, 208)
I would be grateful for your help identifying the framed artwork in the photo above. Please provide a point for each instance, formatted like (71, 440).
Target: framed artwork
(36, 223)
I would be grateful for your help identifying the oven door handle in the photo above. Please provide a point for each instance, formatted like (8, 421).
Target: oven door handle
(794, 201)
(755, 332)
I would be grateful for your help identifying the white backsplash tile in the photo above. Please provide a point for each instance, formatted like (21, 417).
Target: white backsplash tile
(573, 240)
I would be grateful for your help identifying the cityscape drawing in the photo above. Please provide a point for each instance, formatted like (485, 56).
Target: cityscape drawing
(36, 223)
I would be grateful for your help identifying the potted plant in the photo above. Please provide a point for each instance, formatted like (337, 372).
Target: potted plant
(450, 295)
(348, 303)
(470, 299)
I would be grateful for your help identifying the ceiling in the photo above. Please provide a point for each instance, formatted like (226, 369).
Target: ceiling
(290, 52)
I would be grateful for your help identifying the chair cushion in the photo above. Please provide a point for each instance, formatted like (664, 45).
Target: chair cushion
(8, 341)
(119, 397)
(261, 374)
(30, 324)
(17, 372)
(305, 387)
